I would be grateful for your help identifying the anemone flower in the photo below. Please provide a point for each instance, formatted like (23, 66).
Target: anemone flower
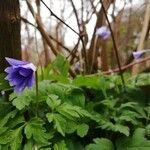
(20, 74)
(103, 32)
(138, 54)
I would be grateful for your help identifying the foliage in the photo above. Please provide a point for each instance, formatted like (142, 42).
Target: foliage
(86, 113)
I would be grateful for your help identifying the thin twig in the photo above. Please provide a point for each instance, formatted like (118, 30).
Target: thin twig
(123, 68)
(114, 44)
(128, 66)
(59, 43)
(53, 14)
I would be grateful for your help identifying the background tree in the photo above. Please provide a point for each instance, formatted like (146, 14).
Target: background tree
(10, 43)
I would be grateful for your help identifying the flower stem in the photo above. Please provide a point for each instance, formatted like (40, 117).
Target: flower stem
(37, 91)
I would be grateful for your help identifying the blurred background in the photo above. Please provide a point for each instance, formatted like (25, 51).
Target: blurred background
(129, 21)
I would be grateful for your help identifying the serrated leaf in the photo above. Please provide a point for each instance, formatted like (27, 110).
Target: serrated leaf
(110, 103)
(68, 111)
(18, 119)
(76, 95)
(82, 129)
(60, 146)
(59, 122)
(73, 112)
(53, 101)
(71, 126)
(122, 129)
(34, 129)
(128, 105)
(7, 117)
(24, 99)
(137, 142)
(13, 138)
(16, 139)
(127, 119)
(6, 137)
(115, 127)
(100, 144)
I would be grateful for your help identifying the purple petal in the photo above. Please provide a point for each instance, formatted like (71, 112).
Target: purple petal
(15, 62)
(30, 81)
(20, 87)
(103, 32)
(12, 73)
(138, 54)
(18, 80)
(9, 69)
(29, 66)
(25, 72)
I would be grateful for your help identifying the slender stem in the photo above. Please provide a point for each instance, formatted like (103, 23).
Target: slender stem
(36, 83)
(37, 91)
(114, 43)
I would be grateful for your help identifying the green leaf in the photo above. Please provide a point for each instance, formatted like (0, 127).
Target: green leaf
(137, 142)
(16, 139)
(115, 127)
(3, 129)
(60, 146)
(7, 117)
(34, 129)
(147, 130)
(72, 112)
(61, 65)
(128, 105)
(4, 85)
(82, 129)
(6, 137)
(71, 126)
(68, 111)
(76, 96)
(18, 119)
(28, 145)
(24, 99)
(127, 118)
(59, 122)
(141, 79)
(12, 138)
(100, 144)
(53, 101)
(74, 145)
(89, 82)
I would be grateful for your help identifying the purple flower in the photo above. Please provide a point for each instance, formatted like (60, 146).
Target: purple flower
(138, 54)
(103, 32)
(20, 74)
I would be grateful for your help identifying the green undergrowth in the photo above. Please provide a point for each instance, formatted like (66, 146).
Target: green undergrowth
(93, 112)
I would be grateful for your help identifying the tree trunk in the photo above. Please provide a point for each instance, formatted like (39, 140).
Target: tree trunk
(10, 40)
